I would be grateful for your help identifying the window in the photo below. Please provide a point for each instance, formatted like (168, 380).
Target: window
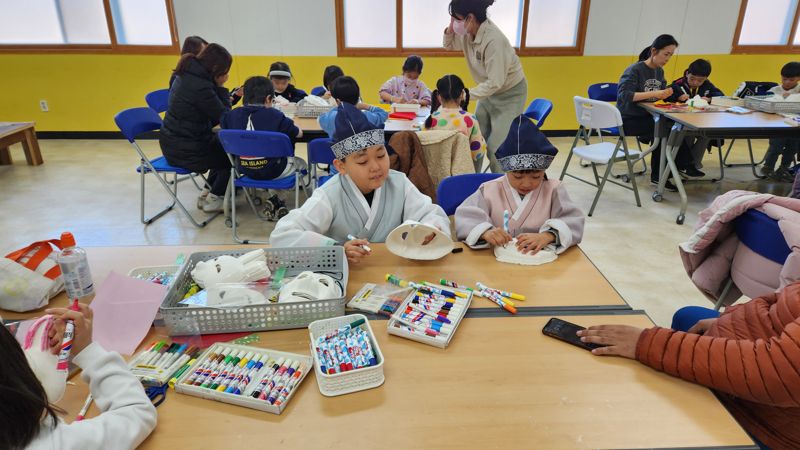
(101, 26)
(403, 27)
(767, 26)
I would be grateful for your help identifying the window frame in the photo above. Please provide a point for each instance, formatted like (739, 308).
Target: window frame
(112, 48)
(788, 47)
(399, 50)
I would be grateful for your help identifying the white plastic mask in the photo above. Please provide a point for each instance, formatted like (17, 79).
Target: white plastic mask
(42, 361)
(232, 295)
(407, 241)
(310, 286)
(510, 254)
(251, 266)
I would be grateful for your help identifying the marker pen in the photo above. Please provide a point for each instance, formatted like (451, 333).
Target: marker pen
(364, 246)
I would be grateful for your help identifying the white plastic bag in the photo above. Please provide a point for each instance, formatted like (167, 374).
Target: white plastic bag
(30, 277)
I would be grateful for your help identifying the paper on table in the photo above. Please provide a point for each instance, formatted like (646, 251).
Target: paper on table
(124, 309)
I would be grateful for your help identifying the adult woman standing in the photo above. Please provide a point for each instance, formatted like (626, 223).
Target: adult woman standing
(197, 100)
(502, 89)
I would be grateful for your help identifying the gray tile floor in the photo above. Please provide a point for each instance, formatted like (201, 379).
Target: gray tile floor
(90, 187)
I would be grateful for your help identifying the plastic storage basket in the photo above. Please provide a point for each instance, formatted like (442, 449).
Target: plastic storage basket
(241, 400)
(184, 320)
(759, 103)
(307, 110)
(354, 380)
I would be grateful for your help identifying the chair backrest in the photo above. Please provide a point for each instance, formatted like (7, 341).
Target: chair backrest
(452, 191)
(135, 121)
(258, 144)
(538, 110)
(319, 151)
(319, 91)
(158, 100)
(593, 114)
(761, 234)
(605, 92)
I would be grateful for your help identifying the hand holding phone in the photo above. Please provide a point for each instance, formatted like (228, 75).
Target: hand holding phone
(567, 332)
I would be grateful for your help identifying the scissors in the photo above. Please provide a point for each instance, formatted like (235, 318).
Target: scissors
(157, 394)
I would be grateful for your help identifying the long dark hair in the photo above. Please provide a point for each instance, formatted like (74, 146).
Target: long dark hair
(193, 45)
(464, 8)
(22, 397)
(449, 87)
(331, 73)
(215, 59)
(660, 43)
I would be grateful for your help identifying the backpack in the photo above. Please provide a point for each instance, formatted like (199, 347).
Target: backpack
(750, 88)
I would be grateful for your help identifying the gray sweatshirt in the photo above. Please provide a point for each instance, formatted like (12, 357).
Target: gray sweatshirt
(638, 78)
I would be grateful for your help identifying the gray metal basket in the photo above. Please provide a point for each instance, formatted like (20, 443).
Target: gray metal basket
(307, 110)
(759, 103)
(184, 320)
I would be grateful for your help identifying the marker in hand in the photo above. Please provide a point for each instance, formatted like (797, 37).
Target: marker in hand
(364, 246)
(67, 341)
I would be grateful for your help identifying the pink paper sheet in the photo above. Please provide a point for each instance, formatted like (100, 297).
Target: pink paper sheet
(124, 309)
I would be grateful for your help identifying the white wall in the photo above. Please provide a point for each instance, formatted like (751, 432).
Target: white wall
(308, 27)
(261, 27)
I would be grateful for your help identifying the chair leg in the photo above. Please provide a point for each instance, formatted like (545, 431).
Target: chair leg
(725, 289)
(600, 186)
(569, 156)
(153, 218)
(721, 164)
(631, 173)
(596, 175)
(297, 181)
(753, 163)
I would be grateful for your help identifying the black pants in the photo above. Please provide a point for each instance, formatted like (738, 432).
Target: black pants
(643, 127)
(208, 157)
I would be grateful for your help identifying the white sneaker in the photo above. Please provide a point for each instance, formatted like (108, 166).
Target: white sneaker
(201, 200)
(213, 203)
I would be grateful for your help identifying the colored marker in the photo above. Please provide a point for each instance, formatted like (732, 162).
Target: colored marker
(181, 371)
(275, 378)
(84, 409)
(227, 369)
(420, 328)
(215, 371)
(298, 374)
(423, 319)
(444, 282)
(262, 385)
(496, 298)
(239, 368)
(210, 360)
(281, 382)
(505, 221)
(142, 354)
(433, 314)
(67, 341)
(364, 246)
(483, 287)
(242, 383)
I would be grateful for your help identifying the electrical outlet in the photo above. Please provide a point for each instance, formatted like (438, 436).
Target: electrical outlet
(43, 105)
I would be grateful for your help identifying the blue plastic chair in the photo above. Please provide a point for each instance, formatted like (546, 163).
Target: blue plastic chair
(761, 234)
(319, 152)
(260, 144)
(452, 191)
(538, 110)
(132, 123)
(319, 91)
(605, 92)
(158, 100)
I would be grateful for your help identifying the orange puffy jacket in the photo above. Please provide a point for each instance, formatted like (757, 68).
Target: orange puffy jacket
(750, 357)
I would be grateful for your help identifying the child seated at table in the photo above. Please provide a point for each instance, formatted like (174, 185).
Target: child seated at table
(407, 88)
(29, 418)
(328, 77)
(346, 90)
(787, 148)
(258, 114)
(695, 82)
(365, 199)
(280, 75)
(540, 212)
(449, 104)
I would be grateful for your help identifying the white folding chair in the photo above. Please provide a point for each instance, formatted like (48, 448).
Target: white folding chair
(595, 114)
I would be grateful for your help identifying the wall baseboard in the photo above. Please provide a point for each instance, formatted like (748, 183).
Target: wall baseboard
(154, 135)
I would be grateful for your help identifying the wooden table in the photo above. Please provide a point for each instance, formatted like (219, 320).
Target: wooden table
(711, 125)
(24, 133)
(500, 384)
(569, 284)
(312, 130)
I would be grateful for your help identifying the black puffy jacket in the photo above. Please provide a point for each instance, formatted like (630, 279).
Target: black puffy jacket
(196, 105)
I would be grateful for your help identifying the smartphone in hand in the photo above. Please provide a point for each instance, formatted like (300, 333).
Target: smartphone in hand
(567, 332)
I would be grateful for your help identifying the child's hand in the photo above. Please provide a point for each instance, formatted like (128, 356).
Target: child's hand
(664, 93)
(82, 319)
(326, 95)
(355, 251)
(533, 242)
(683, 98)
(362, 106)
(496, 236)
(239, 92)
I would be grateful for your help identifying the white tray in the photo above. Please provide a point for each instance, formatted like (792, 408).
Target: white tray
(244, 399)
(354, 380)
(424, 338)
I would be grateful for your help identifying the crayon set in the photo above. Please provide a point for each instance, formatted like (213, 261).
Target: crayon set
(162, 361)
(246, 376)
(431, 313)
(346, 355)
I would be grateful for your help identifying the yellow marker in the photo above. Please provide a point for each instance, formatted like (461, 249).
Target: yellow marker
(180, 372)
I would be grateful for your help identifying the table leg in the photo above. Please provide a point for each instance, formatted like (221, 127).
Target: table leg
(31, 146)
(676, 136)
(5, 156)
